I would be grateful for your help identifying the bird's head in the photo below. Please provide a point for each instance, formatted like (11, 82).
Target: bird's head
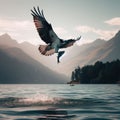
(72, 41)
(68, 43)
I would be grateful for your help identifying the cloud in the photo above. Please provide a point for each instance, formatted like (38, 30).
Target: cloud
(104, 34)
(84, 28)
(21, 30)
(113, 21)
(24, 30)
(13, 25)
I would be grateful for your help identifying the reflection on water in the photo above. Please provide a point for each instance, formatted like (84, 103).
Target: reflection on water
(59, 102)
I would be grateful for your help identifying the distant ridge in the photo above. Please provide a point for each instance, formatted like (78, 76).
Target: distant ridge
(17, 67)
(98, 50)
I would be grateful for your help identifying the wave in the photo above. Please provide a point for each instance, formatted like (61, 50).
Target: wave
(56, 108)
(48, 114)
(49, 101)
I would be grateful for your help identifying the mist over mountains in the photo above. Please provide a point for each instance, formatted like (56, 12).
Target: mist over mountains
(16, 66)
(86, 54)
(99, 50)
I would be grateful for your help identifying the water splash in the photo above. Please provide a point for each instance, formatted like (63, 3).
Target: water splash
(45, 100)
(37, 99)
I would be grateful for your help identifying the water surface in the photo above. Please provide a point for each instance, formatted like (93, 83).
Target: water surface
(59, 102)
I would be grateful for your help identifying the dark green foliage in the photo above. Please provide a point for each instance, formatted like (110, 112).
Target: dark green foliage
(99, 73)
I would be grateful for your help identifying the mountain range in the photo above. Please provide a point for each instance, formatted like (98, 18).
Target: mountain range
(99, 50)
(16, 66)
(86, 54)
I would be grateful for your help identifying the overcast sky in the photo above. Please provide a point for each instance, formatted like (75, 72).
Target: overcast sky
(91, 19)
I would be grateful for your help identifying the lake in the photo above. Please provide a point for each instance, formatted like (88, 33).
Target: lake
(59, 102)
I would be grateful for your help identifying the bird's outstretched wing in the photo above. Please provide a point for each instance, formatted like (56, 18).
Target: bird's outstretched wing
(42, 26)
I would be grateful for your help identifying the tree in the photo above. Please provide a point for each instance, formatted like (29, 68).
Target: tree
(103, 73)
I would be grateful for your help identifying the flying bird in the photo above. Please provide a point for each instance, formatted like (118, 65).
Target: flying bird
(47, 34)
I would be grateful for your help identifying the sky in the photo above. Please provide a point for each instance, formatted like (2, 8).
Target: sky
(92, 19)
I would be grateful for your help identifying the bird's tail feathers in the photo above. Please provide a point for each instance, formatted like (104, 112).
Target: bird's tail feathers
(43, 50)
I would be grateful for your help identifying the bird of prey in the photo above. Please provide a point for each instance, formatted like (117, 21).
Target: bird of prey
(47, 34)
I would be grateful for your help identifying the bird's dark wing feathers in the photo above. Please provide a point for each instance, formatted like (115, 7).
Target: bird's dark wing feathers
(42, 26)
